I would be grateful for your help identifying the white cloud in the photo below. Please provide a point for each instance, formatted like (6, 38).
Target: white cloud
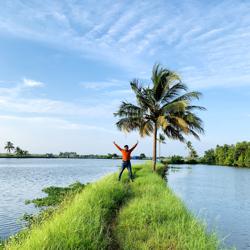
(32, 83)
(51, 122)
(14, 100)
(206, 36)
(100, 85)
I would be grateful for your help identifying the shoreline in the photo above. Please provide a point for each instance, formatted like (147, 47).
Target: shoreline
(80, 158)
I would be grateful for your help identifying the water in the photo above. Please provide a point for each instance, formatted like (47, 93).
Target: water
(220, 196)
(22, 179)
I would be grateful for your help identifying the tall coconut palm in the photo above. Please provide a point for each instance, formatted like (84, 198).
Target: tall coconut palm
(9, 146)
(164, 105)
(161, 140)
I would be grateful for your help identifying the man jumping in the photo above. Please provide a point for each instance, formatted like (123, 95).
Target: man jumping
(126, 152)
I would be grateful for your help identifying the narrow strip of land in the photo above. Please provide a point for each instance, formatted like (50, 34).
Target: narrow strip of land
(155, 219)
(109, 214)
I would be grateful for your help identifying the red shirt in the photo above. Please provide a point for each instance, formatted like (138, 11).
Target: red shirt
(126, 153)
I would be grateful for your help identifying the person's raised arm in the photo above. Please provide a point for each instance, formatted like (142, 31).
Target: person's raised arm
(117, 146)
(134, 147)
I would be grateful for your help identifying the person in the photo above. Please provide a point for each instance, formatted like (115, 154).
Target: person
(126, 152)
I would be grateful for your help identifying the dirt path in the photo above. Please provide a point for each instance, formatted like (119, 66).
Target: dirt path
(114, 244)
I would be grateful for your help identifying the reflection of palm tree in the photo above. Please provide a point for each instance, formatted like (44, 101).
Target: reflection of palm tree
(163, 106)
(161, 140)
(9, 146)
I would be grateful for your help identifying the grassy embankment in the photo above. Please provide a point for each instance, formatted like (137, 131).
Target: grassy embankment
(144, 214)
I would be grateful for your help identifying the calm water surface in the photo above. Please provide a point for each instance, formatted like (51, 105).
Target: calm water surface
(219, 195)
(22, 179)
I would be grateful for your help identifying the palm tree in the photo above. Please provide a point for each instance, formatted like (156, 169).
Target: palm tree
(9, 146)
(25, 152)
(192, 153)
(165, 105)
(19, 151)
(161, 140)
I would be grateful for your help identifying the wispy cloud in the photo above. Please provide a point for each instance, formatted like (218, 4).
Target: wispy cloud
(101, 85)
(14, 100)
(207, 36)
(32, 83)
(51, 122)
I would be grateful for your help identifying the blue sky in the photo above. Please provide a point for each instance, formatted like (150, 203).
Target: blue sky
(66, 65)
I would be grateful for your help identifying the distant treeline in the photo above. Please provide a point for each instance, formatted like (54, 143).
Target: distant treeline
(71, 155)
(228, 155)
(16, 152)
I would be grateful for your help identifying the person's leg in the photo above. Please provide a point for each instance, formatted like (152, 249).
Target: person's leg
(122, 169)
(130, 170)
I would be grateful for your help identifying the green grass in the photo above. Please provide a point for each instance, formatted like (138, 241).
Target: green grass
(156, 219)
(82, 224)
(109, 214)
(55, 195)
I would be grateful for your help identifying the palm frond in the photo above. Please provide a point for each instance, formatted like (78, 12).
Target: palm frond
(174, 107)
(194, 134)
(194, 122)
(174, 91)
(182, 124)
(135, 86)
(189, 96)
(129, 124)
(162, 122)
(174, 133)
(162, 79)
(146, 128)
(129, 110)
(194, 107)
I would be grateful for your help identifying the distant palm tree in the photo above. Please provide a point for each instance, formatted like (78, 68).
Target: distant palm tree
(165, 105)
(9, 146)
(18, 151)
(192, 153)
(25, 153)
(161, 140)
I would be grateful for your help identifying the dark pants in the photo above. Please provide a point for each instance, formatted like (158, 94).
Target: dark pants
(126, 164)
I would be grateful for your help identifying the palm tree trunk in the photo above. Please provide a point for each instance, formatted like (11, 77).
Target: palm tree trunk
(154, 147)
(159, 150)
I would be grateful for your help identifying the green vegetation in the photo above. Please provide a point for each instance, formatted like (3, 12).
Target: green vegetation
(155, 219)
(192, 152)
(55, 195)
(20, 152)
(174, 159)
(237, 155)
(50, 203)
(9, 146)
(109, 214)
(166, 106)
(82, 223)
(191, 158)
(17, 152)
(229, 155)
